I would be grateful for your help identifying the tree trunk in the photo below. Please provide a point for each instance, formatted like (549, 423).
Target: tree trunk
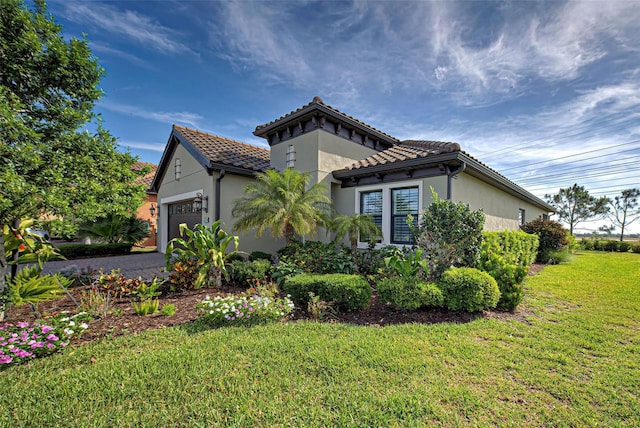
(288, 233)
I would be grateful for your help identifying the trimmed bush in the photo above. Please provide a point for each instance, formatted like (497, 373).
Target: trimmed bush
(409, 293)
(506, 256)
(624, 246)
(77, 251)
(259, 255)
(348, 292)
(468, 289)
(242, 272)
(551, 235)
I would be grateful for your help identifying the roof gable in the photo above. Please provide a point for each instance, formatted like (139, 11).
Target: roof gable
(213, 152)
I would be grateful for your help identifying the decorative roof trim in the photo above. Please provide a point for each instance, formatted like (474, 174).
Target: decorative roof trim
(294, 118)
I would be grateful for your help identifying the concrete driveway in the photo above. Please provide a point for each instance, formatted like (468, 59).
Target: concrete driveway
(145, 265)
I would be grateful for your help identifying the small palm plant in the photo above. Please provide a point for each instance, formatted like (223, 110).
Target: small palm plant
(355, 226)
(281, 201)
(207, 245)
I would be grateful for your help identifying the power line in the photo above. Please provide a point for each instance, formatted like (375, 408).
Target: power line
(577, 154)
(594, 172)
(588, 127)
(561, 171)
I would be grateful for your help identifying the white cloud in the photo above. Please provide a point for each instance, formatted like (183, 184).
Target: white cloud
(128, 24)
(110, 50)
(155, 147)
(185, 118)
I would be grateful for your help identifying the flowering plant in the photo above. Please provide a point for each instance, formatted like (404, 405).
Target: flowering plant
(25, 341)
(246, 309)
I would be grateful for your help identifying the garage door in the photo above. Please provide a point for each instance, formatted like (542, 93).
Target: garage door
(182, 212)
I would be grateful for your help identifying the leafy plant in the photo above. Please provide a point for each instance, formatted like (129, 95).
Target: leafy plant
(283, 271)
(468, 289)
(184, 272)
(29, 286)
(208, 246)
(450, 233)
(115, 229)
(96, 302)
(409, 292)
(318, 257)
(259, 255)
(318, 309)
(168, 309)
(146, 306)
(241, 272)
(409, 265)
(61, 228)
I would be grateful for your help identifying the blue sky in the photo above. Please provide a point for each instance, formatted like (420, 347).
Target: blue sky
(548, 93)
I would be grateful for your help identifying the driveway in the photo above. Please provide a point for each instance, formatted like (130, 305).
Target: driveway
(145, 265)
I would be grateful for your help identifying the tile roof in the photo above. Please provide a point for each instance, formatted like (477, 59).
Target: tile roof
(317, 101)
(405, 150)
(147, 179)
(225, 151)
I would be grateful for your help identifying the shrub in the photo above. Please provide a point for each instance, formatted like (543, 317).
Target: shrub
(371, 260)
(247, 309)
(624, 246)
(450, 233)
(76, 251)
(347, 292)
(259, 255)
(610, 245)
(146, 307)
(409, 293)
(636, 248)
(506, 256)
(551, 236)
(168, 309)
(468, 289)
(62, 229)
(318, 257)
(242, 272)
(409, 265)
(115, 228)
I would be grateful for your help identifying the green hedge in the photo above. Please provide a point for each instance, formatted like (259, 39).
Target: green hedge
(506, 256)
(610, 245)
(346, 291)
(468, 289)
(409, 293)
(78, 251)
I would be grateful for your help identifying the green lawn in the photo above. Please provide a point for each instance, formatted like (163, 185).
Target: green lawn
(574, 361)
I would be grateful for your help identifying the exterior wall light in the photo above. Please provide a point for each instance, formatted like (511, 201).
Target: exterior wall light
(152, 210)
(201, 203)
(178, 169)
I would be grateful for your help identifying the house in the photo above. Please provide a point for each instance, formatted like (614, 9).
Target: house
(364, 169)
(147, 211)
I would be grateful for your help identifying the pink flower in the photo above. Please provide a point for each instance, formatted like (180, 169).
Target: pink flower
(5, 359)
(50, 346)
(52, 337)
(22, 324)
(46, 329)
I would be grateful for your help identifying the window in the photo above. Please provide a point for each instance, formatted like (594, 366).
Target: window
(404, 202)
(371, 203)
(521, 216)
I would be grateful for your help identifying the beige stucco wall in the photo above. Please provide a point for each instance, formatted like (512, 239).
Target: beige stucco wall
(231, 189)
(501, 208)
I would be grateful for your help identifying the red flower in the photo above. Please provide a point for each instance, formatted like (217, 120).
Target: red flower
(22, 247)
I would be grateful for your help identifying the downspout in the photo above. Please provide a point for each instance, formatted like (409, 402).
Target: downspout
(451, 174)
(218, 180)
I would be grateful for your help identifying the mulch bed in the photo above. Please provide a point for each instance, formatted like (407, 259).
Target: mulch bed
(127, 322)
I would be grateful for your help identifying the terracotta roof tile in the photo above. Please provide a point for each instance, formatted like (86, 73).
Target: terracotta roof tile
(409, 149)
(318, 101)
(147, 179)
(226, 151)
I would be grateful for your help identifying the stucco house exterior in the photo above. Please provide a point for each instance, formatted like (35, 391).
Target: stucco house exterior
(365, 170)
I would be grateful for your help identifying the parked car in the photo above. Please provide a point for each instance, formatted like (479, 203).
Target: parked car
(43, 234)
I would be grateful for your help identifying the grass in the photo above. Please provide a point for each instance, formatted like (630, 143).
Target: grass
(573, 362)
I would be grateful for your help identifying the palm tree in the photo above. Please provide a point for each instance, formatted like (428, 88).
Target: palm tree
(281, 201)
(354, 226)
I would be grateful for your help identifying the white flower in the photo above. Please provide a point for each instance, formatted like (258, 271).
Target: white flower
(72, 323)
(68, 331)
(84, 325)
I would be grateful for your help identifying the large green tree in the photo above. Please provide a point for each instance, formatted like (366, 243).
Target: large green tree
(283, 202)
(624, 209)
(51, 162)
(574, 205)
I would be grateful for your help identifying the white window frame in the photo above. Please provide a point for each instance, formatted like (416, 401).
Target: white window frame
(386, 206)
